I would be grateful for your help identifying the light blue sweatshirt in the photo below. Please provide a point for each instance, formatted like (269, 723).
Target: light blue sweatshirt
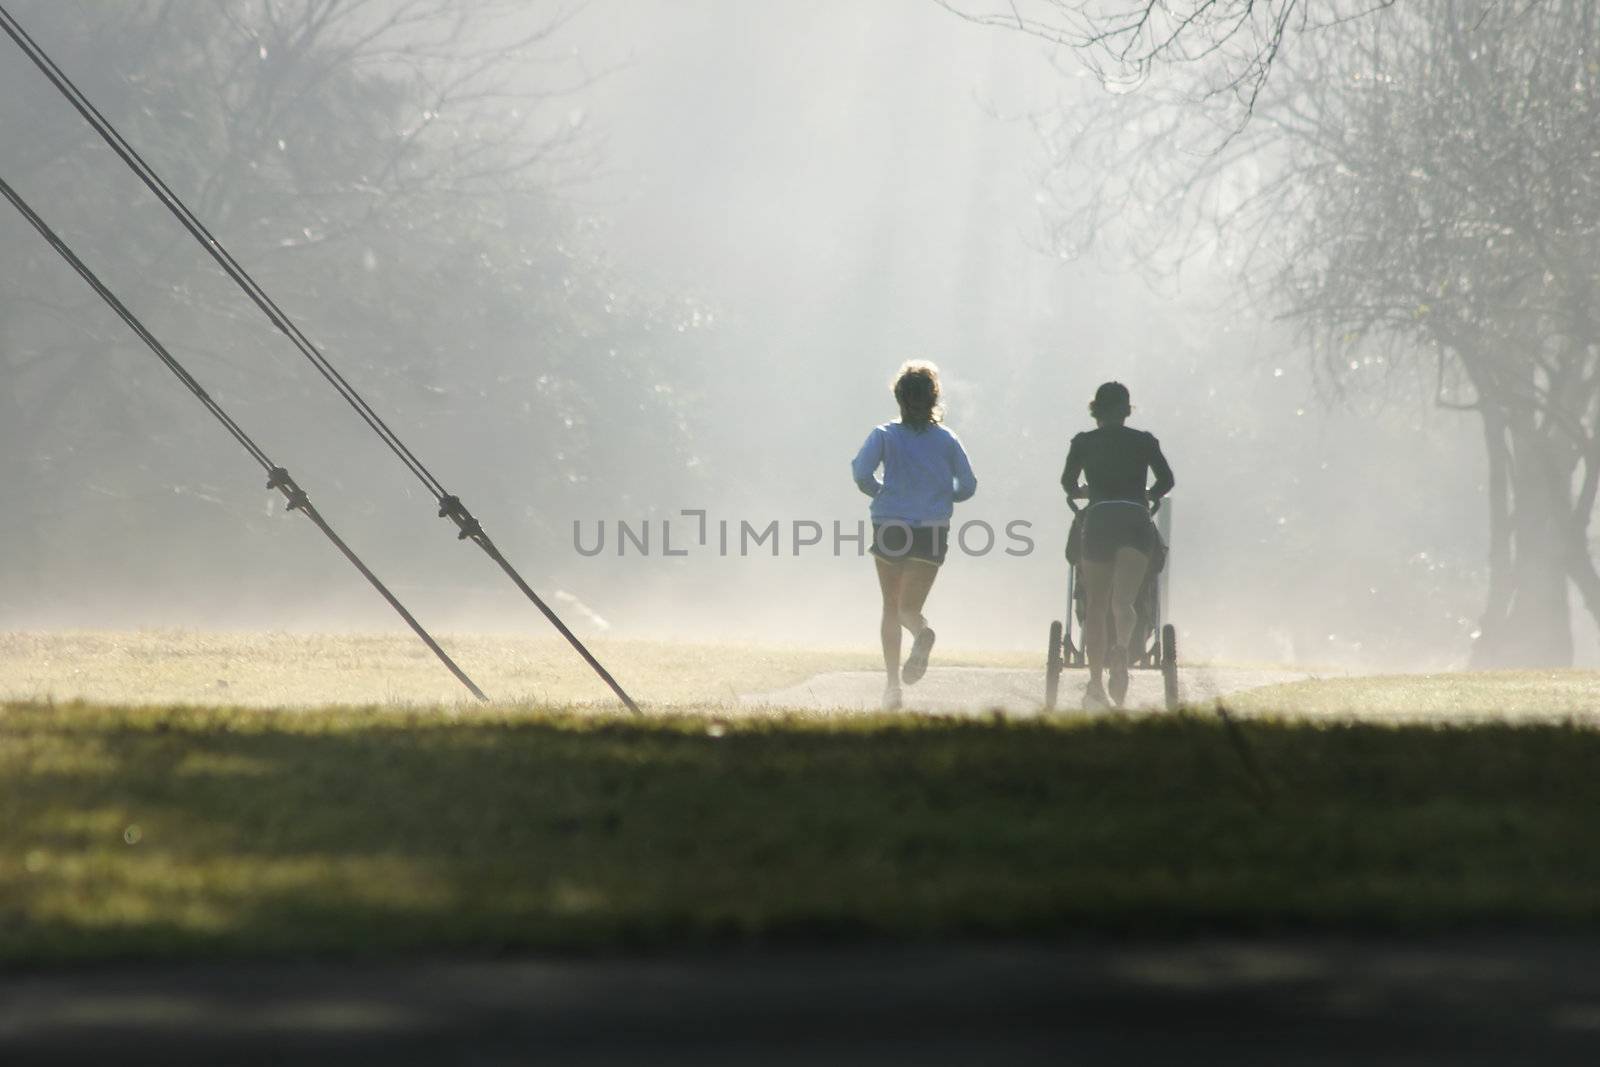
(925, 472)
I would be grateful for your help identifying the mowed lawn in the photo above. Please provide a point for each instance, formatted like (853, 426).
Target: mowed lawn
(1468, 695)
(178, 832)
(276, 669)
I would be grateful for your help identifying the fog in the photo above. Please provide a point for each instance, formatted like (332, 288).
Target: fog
(756, 213)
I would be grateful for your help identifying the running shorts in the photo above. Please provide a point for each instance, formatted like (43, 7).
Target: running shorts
(1116, 524)
(897, 540)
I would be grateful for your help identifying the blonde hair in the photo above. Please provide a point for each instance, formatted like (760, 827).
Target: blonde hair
(916, 390)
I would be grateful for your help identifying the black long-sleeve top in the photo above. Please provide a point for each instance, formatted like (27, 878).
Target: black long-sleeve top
(1116, 461)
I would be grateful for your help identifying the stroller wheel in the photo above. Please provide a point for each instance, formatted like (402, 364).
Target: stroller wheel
(1169, 664)
(1052, 668)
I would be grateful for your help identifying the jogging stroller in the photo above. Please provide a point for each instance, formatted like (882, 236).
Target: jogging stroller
(1155, 642)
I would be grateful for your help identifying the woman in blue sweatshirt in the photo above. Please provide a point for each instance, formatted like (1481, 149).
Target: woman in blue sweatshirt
(925, 472)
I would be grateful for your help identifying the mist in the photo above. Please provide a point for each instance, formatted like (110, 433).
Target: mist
(750, 216)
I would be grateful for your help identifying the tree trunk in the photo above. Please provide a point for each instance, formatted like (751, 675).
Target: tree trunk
(1529, 622)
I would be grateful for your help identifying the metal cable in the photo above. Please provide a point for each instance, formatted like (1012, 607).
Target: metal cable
(135, 162)
(277, 477)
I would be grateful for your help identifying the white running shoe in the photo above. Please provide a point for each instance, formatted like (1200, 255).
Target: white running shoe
(1094, 698)
(891, 698)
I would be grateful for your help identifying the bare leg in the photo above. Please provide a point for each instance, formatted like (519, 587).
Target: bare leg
(915, 583)
(1096, 576)
(1127, 578)
(889, 581)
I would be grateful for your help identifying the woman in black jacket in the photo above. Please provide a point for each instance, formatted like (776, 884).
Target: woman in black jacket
(1115, 461)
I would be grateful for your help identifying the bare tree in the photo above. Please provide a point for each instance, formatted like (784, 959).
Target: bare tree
(1224, 49)
(1457, 221)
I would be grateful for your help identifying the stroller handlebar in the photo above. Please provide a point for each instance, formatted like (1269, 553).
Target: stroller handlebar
(1082, 493)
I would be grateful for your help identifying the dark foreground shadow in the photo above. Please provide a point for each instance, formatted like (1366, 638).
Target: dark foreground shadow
(1461, 1001)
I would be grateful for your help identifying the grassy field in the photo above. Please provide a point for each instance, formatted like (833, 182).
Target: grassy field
(1490, 695)
(179, 832)
(257, 669)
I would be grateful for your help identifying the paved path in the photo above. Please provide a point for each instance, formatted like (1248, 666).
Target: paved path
(1018, 692)
(1376, 1002)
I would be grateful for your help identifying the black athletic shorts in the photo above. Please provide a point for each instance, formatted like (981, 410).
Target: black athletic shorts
(1115, 524)
(897, 540)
